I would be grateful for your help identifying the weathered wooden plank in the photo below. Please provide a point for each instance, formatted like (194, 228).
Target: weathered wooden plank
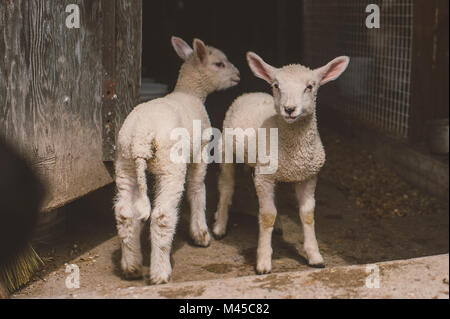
(128, 57)
(122, 40)
(109, 79)
(80, 169)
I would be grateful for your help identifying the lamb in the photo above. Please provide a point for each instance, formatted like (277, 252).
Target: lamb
(291, 109)
(144, 143)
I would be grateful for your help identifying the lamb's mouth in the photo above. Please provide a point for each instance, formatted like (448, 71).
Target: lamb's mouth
(290, 118)
(235, 80)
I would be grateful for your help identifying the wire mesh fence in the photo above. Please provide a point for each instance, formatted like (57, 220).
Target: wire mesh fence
(376, 87)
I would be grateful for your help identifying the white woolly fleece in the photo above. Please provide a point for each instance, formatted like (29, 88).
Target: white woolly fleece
(300, 150)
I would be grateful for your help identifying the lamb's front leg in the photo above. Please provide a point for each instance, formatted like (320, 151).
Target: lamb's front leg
(197, 199)
(164, 219)
(226, 189)
(265, 189)
(305, 196)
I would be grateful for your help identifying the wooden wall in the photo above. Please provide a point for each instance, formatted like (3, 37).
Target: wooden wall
(51, 83)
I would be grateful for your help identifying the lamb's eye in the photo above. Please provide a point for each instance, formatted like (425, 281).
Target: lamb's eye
(309, 88)
(220, 65)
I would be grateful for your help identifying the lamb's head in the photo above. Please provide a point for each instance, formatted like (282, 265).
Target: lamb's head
(295, 86)
(210, 64)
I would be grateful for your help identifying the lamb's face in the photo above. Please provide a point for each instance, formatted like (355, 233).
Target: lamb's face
(211, 64)
(295, 86)
(294, 90)
(220, 72)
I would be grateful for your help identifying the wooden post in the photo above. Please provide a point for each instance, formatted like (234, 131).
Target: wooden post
(109, 79)
(429, 72)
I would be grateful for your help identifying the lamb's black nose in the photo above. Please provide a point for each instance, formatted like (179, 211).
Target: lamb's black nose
(289, 109)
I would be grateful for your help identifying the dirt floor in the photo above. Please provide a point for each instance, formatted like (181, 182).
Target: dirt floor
(362, 216)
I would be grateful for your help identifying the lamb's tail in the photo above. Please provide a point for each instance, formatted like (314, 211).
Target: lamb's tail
(142, 203)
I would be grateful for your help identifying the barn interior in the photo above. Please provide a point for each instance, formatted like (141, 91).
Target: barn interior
(383, 192)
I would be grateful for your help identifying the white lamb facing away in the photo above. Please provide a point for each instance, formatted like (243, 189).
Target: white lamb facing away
(291, 109)
(144, 144)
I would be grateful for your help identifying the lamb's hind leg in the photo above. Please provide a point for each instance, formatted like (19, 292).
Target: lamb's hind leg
(127, 220)
(226, 189)
(197, 198)
(265, 189)
(169, 189)
(305, 195)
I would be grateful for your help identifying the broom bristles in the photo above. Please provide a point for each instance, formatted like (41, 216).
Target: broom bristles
(18, 271)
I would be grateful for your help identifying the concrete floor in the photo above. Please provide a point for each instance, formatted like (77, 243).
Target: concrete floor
(423, 278)
(347, 235)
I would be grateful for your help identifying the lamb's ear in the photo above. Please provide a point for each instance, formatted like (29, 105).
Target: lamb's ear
(201, 52)
(332, 70)
(181, 48)
(260, 68)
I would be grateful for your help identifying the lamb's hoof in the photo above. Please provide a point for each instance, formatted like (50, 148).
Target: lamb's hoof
(219, 237)
(319, 265)
(202, 239)
(219, 232)
(263, 271)
(263, 268)
(159, 279)
(316, 261)
(131, 267)
(132, 274)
